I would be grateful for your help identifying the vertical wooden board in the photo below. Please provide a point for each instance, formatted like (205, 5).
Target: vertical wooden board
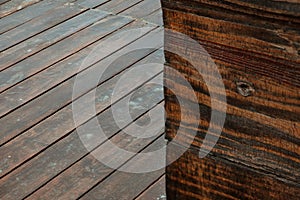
(59, 51)
(157, 191)
(30, 176)
(42, 107)
(38, 25)
(117, 6)
(190, 177)
(11, 21)
(111, 188)
(12, 6)
(37, 43)
(61, 123)
(87, 172)
(142, 9)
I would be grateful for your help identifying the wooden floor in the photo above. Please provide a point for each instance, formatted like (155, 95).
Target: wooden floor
(42, 44)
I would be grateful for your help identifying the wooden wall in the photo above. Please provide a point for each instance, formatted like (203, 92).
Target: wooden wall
(256, 46)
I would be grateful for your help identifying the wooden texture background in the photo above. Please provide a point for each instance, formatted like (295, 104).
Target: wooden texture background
(256, 46)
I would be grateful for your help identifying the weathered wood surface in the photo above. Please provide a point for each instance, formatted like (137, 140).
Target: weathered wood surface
(42, 47)
(252, 42)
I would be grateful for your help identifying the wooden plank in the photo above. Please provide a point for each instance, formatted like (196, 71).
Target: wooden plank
(257, 57)
(15, 5)
(117, 6)
(157, 191)
(11, 21)
(142, 9)
(215, 178)
(38, 25)
(31, 176)
(36, 110)
(45, 133)
(268, 120)
(259, 29)
(59, 51)
(3, 1)
(111, 188)
(83, 175)
(91, 3)
(41, 41)
(155, 17)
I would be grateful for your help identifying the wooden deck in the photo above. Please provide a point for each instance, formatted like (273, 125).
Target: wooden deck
(42, 44)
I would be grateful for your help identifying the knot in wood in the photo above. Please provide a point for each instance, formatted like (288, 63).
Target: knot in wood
(244, 88)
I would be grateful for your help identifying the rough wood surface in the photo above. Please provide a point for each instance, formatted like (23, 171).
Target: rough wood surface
(252, 42)
(213, 178)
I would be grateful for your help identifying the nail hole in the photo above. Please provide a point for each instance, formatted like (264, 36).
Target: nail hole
(245, 89)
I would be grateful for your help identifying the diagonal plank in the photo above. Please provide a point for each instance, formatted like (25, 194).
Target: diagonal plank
(42, 107)
(117, 6)
(11, 21)
(44, 133)
(142, 9)
(60, 50)
(37, 25)
(91, 3)
(31, 176)
(156, 191)
(14, 5)
(83, 175)
(116, 183)
(47, 38)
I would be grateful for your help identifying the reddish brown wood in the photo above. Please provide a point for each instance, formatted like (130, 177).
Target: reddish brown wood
(253, 43)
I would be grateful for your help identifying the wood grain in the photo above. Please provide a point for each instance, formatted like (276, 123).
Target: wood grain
(216, 178)
(251, 42)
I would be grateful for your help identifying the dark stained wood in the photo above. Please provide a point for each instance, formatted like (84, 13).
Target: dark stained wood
(30, 66)
(137, 181)
(10, 7)
(215, 178)
(255, 43)
(47, 38)
(155, 191)
(37, 25)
